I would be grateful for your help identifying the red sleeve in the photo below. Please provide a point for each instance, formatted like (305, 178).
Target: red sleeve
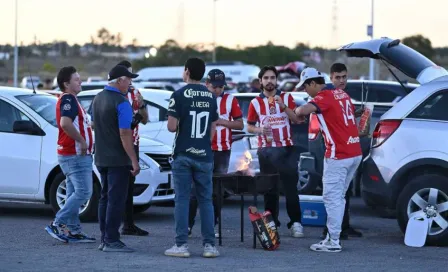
(252, 116)
(291, 102)
(322, 102)
(235, 112)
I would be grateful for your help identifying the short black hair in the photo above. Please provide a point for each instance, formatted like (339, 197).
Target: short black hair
(338, 68)
(125, 63)
(267, 68)
(317, 80)
(64, 75)
(196, 66)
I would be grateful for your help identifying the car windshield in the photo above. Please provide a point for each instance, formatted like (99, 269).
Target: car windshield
(44, 105)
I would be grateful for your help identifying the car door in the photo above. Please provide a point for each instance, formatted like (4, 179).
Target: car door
(20, 154)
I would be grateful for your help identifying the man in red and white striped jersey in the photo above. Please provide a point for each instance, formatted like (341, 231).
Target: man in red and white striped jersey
(336, 115)
(273, 111)
(75, 144)
(230, 117)
(140, 115)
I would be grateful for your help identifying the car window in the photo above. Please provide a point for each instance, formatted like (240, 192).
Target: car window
(358, 93)
(8, 115)
(244, 104)
(85, 102)
(434, 108)
(386, 93)
(156, 113)
(44, 105)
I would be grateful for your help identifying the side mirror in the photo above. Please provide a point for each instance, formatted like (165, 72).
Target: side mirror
(26, 127)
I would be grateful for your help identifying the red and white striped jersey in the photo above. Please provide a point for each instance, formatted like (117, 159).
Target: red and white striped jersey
(336, 116)
(132, 97)
(228, 109)
(261, 111)
(69, 106)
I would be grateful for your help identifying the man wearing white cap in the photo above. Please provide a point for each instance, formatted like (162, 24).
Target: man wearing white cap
(336, 116)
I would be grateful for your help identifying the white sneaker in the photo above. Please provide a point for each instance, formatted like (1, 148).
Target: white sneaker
(327, 245)
(210, 251)
(297, 230)
(176, 251)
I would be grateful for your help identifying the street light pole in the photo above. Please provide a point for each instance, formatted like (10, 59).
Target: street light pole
(214, 31)
(16, 51)
(372, 61)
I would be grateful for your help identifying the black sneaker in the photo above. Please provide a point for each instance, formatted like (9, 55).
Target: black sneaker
(117, 246)
(134, 230)
(80, 238)
(351, 232)
(57, 232)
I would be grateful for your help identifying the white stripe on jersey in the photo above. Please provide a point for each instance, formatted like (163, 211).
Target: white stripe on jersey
(323, 126)
(229, 101)
(257, 108)
(218, 129)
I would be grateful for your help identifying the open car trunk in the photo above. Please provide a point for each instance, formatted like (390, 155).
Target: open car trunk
(402, 57)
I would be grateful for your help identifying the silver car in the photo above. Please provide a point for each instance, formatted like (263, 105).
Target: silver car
(407, 168)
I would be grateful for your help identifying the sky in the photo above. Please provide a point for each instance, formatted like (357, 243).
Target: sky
(238, 22)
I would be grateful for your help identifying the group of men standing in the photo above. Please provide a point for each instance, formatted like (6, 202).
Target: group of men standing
(203, 118)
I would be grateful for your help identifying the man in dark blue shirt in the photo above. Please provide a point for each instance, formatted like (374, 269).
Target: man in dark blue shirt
(192, 114)
(115, 157)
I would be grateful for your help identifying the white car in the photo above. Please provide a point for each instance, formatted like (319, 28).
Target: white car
(29, 164)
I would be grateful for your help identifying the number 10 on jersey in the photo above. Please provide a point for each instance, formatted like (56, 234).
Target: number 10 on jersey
(347, 112)
(196, 132)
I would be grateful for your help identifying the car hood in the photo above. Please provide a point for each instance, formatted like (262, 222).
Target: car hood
(153, 146)
(402, 57)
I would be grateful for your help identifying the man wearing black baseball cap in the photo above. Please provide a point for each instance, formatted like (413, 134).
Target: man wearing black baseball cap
(115, 156)
(230, 117)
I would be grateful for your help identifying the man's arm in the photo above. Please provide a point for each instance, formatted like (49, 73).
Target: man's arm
(235, 124)
(69, 111)
(212, 130)
(143, 111)
(172, 124)
(236, 114)
(288, 108)
(253, 129)
(124, 112)
(305, 110)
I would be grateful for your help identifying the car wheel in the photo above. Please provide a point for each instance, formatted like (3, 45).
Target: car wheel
(426, 195)
(307, 183)
(58, 196)
(141, 208)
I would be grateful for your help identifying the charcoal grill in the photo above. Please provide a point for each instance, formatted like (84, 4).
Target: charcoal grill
(243, 184)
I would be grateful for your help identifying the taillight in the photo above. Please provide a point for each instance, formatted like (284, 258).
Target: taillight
(313, 127)
(383, 130)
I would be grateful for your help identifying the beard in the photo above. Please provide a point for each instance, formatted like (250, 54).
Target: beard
(269, 87)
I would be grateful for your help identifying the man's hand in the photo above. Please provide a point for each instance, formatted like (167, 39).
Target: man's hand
(266, 130)
(83, 148)
(359, 112)
(139, 99)
(279, 101)
(135, 168)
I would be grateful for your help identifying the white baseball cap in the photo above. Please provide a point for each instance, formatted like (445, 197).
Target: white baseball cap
(308, 73)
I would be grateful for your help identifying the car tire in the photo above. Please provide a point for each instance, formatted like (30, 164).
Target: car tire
(425, 186)
(141, 208)
(90, 213)
(310, 186)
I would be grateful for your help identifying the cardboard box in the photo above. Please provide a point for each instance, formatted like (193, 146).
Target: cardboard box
(313, 210)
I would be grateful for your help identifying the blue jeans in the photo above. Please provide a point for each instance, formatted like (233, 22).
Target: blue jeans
(79, 187)
(185, 171)
(114, 191)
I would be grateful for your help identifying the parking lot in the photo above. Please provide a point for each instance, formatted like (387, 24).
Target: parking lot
(25, 246)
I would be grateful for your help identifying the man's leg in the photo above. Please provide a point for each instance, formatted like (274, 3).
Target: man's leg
(347, 230)
(288, 169)
(182, 178)
(271, 198)
(102, 205)
(203, 178)
(129, 227)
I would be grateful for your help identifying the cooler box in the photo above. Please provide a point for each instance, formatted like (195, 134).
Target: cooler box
(313, 210)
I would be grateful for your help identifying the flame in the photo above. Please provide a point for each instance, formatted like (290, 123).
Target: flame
(243, 164)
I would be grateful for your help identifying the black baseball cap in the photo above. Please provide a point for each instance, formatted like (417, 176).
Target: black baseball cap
(119, 71)
(217, 78)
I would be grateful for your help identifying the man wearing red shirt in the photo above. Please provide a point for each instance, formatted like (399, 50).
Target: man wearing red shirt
(336, 116)
(230, 117)
(75, 144)
(273, 111)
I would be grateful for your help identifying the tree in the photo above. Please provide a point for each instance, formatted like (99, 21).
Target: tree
(420, 44)
(104, 35)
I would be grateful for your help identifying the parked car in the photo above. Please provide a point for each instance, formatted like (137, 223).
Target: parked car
(29, 164)
(407, 168)
(378, 93)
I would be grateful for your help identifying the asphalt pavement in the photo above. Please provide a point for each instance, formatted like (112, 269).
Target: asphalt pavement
(25, 246)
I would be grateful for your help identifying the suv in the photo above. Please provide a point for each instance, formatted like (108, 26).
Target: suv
(377, 93)
(407, 168)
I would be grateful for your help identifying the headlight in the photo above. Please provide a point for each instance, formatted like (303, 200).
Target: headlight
(143, 165)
